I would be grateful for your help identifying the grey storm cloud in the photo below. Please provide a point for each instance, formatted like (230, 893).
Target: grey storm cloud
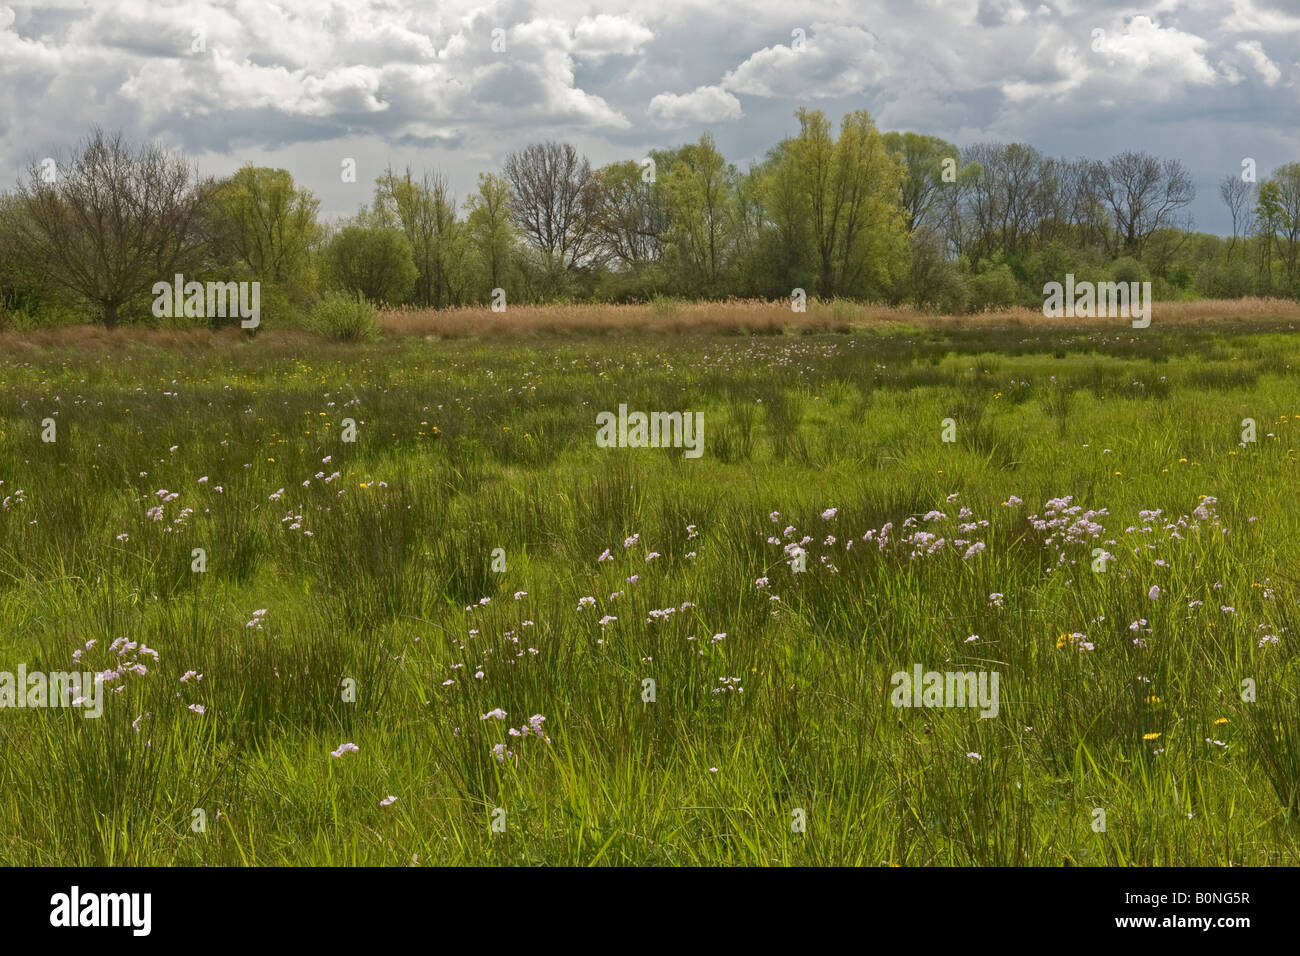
(456, 85)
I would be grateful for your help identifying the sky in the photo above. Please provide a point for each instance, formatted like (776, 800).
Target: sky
(455, 86)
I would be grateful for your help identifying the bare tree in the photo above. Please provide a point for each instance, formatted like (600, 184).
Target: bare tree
(1008, 198)
(111, 222)
(1082, 197)
(554, 198)
(1144, 194)
(1236, 194)
(951, 212)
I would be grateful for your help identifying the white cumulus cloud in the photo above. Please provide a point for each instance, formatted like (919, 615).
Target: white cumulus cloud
(605, 35)
(1145, 47)
(832, 60)
(706, 104)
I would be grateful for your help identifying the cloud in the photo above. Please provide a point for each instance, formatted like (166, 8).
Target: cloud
(1066, 71)
(1246, 18)
(706, 104)
(1265, 67)
(994, 12)
(605, 35)
(833, 60)
(1149, 62)
(383, 68)
(1145, 47)
(301, 84)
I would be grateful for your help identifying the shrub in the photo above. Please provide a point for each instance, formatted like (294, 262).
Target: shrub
(344, 318)
(949, 292)
(1126, 269)
(994, 288)
(374, 261)
(1163, 290)
(932, 282)
(1218, 280)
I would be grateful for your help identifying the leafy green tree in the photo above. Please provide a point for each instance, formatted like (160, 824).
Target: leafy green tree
(754, 270)
(425, 212)
(840, 199)
(489, 228)
(933, 281)
(260, 218)
(630, 220)
(26, 291)
(263, 226)
(1279, 207)
(1268, 220)
(925, 161)
(699, 192)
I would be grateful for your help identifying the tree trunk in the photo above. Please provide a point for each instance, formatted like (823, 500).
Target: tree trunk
(110, 316)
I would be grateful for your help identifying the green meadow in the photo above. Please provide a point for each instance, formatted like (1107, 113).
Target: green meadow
(555, 653)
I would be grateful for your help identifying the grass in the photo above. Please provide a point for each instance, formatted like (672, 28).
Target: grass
(373, 560)
(754, 317)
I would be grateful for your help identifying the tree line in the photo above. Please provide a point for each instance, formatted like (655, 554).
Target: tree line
(850, 213)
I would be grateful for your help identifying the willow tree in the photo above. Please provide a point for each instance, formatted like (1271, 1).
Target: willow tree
(425, 211)
(490, 233)
(930, 166)
(840, 198)
(264, 225)
(700, 199)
